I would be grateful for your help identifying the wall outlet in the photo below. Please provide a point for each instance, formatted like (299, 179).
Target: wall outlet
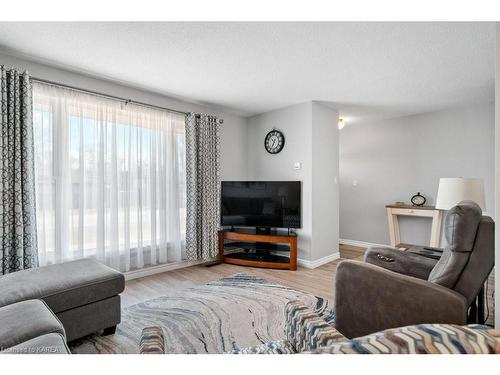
(297, 165)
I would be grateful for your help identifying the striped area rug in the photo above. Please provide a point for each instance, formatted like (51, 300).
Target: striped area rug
(228, 314)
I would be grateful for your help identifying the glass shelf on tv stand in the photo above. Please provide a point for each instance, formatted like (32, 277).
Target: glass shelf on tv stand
(264, 256)
(255, 246)
(288, 232)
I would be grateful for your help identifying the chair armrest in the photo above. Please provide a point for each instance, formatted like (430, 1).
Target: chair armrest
(152, 341)
(400, 261)
(370, 299)
(306, 330)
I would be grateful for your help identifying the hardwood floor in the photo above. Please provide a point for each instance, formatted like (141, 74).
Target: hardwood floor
(318, 281)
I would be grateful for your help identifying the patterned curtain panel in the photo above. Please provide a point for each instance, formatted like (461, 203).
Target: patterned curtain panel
(202, 186)
(18, 246)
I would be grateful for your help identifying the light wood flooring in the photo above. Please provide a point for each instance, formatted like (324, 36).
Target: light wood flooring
(318, 281)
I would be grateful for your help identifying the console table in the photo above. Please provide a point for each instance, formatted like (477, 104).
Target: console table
(394, 210)
(258, 250)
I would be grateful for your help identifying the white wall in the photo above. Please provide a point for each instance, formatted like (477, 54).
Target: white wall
(295, 123)
(497, 177)
(392, 160)
(325, 177)
(311, 139)
(233, 131)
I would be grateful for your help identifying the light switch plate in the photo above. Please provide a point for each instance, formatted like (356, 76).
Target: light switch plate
(297, 165)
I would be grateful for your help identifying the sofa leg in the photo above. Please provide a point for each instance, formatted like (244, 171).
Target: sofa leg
(109, 331)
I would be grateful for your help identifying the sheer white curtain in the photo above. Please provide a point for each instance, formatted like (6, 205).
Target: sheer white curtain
(110, 180)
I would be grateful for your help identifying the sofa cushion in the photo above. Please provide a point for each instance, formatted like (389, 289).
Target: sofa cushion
(422, 339)
(62, 286)
(26, 320)
(51, 343)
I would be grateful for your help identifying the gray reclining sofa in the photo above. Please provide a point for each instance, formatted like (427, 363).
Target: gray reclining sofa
(393, 288)
(42, 309)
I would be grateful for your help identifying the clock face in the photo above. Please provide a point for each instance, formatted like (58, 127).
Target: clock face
(418, 200)
(274, 142)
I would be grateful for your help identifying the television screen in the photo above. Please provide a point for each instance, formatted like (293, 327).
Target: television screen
(274, 204)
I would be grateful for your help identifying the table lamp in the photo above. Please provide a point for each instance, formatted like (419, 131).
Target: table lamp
(456, 189)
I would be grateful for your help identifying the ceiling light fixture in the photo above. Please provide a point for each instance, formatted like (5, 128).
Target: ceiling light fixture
(341, 123)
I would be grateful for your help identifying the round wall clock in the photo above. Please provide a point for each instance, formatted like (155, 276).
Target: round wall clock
(274, 141)
(418, 200)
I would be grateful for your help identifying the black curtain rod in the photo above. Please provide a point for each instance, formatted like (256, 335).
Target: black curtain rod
(126, 101)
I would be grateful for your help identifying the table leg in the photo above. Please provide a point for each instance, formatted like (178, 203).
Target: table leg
(393, 228)
(437, 219)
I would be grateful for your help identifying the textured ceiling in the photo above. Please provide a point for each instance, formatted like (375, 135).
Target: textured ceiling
(367, 70)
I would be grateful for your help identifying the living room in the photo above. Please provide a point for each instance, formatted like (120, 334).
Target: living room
(248, 188)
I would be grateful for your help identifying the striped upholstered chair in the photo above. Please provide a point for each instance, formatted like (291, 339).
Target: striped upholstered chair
(307, 332)
(152, 341)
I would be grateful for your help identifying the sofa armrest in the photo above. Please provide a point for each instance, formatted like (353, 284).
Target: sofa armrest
(152, 341)
(370, 299)
(422, 339)
(400, 261)
(26, 320)
(306, 330)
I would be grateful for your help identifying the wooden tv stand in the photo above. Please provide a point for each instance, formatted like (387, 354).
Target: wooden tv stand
(258, 250)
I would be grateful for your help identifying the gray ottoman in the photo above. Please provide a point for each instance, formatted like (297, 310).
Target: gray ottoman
(84, 294)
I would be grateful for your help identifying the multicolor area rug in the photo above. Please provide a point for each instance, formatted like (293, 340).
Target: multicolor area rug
(231, 313)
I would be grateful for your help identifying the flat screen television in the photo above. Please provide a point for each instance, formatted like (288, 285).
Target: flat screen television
(261, 204)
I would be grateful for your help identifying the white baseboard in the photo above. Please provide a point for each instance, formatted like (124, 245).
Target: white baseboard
(318, 262)
(135, 274)
(344, 241)
(153, 270)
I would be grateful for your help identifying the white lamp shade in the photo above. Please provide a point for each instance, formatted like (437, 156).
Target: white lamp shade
(454, 190)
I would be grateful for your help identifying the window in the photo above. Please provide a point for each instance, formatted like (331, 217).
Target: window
(110, 180)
